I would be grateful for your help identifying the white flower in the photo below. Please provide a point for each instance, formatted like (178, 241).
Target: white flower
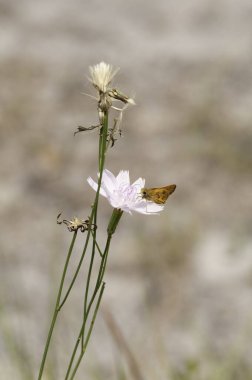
(102, 75)
(122, 195)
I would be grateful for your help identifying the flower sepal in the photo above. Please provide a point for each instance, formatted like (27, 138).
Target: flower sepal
(114, 220)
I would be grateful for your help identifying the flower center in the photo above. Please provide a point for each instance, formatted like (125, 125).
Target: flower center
(127, 192)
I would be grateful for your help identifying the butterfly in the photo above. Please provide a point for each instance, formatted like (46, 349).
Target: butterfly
(158, 195)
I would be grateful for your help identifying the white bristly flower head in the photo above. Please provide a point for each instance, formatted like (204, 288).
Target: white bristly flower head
(102, 75)
(123, 195)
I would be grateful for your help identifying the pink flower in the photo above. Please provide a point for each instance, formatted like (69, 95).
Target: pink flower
(122, 195)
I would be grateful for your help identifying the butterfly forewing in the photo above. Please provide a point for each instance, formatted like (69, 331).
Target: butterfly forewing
(158, 195)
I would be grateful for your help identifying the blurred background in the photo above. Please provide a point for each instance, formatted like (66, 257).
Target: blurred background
(178, 286)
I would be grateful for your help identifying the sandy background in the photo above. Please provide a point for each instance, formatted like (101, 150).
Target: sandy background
(178, 285)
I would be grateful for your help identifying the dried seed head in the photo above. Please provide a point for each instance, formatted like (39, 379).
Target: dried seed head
(76, 224)
(102, 75)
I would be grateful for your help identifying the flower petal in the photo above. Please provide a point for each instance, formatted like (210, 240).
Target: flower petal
(139, 184)
(94, 185)
(115, 202)
(126, 209)
(148, 208)
(123, 178)
(108, 181)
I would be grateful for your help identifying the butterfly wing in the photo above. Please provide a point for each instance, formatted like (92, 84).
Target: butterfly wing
(160, 194)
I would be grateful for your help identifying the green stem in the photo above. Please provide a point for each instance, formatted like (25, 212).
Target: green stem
(101, 269)
(114, 220)
(103, 142)
(97, 245)
(97, 286)
(89, 333)
(102, 154)
(56, 309)
(93, 219)
(87, 287)
(78, 267)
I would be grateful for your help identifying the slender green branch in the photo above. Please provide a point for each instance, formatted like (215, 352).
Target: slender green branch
(102, 267)
(101, 159)
(97, 286)
(89, 332)
(56, 310)
(102, 153)
(99, 277)
(114, 220)
(87, 288)
(100, 148)
(97, 245)
(74, 352)
(78, 267)
(93, 219)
